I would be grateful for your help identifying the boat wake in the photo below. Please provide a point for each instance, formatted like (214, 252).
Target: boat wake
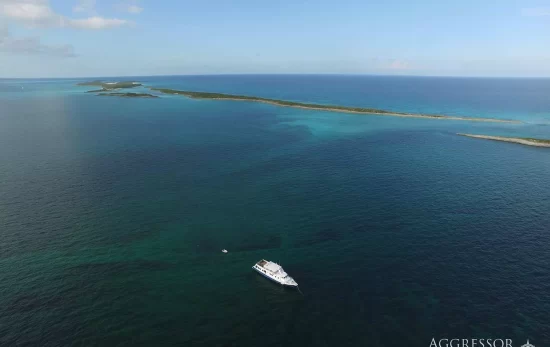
(298, 288)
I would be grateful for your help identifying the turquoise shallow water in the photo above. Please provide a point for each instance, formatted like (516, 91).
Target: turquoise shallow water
(113, 213)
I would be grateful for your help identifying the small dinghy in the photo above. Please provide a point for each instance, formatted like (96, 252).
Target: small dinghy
(224, 250)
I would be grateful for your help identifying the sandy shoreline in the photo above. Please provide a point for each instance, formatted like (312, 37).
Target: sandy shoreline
(519, 140)
(342, 109)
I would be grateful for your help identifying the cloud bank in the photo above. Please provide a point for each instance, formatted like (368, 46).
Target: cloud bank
(129, 6)
(31, 46)
(134, 9)
(87, 6)
(38, 13)
(399, 65)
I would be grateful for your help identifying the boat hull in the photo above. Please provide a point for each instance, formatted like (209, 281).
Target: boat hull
(274, 279)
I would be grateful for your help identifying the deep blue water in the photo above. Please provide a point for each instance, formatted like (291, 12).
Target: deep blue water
(113, 213)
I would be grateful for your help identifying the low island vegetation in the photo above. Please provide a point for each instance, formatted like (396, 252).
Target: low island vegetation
(528, 141)
(107, 86)
(330, 108)
(129, 95)
(91, 83)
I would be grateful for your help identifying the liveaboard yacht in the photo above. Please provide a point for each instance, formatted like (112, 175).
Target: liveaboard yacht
(274, 272)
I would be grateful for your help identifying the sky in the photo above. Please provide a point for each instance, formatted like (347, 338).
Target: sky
(85, 38)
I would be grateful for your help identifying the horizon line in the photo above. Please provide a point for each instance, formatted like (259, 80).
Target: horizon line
(280, 74)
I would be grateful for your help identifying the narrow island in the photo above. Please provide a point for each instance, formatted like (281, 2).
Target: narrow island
(129, 95)
(108, 86)
(521, 140)
(91, 83)
(330, 108)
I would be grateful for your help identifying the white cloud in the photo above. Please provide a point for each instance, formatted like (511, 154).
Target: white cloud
(96, 23)
(130, 6)
(134, 9)
(399, 65)
(87, 6)
(31, 46)
(38, 13)
(536, 11)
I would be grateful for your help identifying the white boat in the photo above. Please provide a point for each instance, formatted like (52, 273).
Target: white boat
(274, 272)
(224, 250)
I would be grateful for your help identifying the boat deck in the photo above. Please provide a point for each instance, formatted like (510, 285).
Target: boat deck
(261, 263)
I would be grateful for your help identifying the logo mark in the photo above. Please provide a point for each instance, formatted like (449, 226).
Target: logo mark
(527, 344)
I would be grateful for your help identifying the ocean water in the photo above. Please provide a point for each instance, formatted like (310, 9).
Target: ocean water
(113, 214)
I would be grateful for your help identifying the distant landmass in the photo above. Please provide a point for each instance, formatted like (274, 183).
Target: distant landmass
(520, 140)
(330, 108)
(108, 86)
(129, 95)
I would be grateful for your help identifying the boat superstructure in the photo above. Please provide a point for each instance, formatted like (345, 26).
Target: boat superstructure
(274, 272)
